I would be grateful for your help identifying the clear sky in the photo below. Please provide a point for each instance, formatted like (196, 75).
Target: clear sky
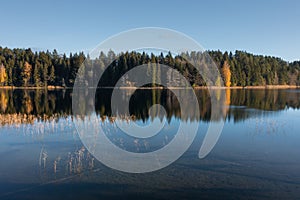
(260, 27)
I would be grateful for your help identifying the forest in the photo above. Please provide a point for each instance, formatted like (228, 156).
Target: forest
(23, 67)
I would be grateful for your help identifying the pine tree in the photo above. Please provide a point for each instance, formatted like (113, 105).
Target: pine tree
(36, 76)
(52, 75)
(45, 75)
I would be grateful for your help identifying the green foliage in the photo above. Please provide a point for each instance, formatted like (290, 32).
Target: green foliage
(26, 68)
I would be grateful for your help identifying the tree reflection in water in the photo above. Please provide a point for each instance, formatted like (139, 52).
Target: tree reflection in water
(31, 106)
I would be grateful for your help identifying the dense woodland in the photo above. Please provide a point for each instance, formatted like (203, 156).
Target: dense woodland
(23, 67)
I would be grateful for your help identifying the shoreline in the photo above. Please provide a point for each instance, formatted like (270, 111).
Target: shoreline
(149, 88)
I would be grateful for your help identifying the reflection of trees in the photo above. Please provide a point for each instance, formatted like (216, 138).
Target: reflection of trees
(262, 99)
(227, 98)
(3, 100)
(226, 102)
(26, 106)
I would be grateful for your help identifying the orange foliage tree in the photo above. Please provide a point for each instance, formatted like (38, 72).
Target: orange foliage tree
(3, 75)
(226, 74)
(26, 73)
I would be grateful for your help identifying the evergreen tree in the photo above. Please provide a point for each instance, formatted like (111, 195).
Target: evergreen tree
(36, 76)
(25, 68)
(52, 76)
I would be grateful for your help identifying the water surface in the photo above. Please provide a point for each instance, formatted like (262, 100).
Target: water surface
(256, 157)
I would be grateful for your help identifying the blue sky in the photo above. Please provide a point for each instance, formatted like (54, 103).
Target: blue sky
(261, 27)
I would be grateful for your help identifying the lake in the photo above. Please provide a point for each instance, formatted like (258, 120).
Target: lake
(256, 156)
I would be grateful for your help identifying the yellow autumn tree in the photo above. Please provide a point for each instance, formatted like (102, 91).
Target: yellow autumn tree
(26, 73)
(226, 73)
(3, 75)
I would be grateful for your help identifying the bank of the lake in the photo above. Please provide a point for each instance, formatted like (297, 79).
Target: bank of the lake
(160, 87)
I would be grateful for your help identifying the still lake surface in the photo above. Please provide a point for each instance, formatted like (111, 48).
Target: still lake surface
(256, 157)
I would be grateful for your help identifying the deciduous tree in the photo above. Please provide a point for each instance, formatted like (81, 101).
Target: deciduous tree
(226, 73)
(26, 73)
(3, 75)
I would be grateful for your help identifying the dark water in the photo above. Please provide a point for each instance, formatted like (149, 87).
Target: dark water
(256, 157)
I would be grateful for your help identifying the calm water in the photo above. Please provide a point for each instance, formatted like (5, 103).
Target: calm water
(256, 157)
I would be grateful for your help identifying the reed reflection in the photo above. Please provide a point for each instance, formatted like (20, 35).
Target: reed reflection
(30, 106)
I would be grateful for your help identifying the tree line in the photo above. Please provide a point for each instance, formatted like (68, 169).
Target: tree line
(23, 67)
